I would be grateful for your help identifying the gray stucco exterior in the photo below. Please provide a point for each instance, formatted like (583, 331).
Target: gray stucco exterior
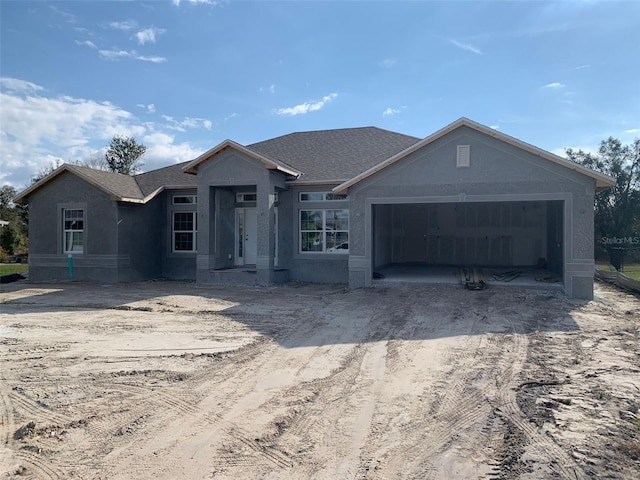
(235, 214)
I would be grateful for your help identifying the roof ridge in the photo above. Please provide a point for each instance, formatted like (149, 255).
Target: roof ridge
(344, 129)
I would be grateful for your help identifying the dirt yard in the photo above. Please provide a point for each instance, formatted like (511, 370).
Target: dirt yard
(172, 381)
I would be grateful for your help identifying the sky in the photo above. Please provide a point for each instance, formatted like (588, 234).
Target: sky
(181, 76)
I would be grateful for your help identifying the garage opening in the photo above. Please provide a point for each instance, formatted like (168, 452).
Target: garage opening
(433, 241)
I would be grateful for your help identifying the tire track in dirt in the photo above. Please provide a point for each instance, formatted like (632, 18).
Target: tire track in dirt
(345, 393)
(508, 407)
(6, 417)
(31, 461)
(34, 410)
(461, 406)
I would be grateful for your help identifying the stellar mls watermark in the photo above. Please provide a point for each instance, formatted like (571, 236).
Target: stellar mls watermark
(621, 241)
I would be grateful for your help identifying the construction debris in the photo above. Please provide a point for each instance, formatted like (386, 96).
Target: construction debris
(473, 279)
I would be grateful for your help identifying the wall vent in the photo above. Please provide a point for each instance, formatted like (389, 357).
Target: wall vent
(463, 158)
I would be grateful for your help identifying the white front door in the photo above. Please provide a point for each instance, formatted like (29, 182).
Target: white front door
(250, 235)
(246, 236)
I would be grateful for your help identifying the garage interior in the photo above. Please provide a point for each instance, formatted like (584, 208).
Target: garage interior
(432, 242)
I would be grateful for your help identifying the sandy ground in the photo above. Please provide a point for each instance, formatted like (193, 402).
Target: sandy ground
(174, 381)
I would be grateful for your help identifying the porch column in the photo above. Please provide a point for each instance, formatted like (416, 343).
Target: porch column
(265, 190)
(205, 239)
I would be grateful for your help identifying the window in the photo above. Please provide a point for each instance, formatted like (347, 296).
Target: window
(184, 231)
(184, 199)
(320, 197)
(73, 239)
(246, 197)
(324, 231)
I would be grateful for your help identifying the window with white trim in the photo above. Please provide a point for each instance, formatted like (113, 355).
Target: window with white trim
(73, 230)
(321, 197)
(324, 231)
(184, 231)
(185, 199)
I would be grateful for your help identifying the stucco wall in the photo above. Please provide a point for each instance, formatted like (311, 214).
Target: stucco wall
(173, 265)
(99, 260)
(140, 239)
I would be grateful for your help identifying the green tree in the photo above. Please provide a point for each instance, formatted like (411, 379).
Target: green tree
(13, 237)
(617, 210)
(123, 155)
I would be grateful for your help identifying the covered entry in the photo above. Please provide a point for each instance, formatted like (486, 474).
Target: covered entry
(500, 234)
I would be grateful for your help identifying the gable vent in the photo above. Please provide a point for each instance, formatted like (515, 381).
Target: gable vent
(464, 154)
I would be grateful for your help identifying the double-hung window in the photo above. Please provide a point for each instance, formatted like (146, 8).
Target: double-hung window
(324, 230)
(73, 230)
(184, 231)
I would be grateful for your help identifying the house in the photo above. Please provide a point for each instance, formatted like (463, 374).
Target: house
(321, 206)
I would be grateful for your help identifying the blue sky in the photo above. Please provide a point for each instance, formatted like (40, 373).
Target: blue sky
(182, 76)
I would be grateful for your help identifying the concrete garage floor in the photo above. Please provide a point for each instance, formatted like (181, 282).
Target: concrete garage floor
(438, 274)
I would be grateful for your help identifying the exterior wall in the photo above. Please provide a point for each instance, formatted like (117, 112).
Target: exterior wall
(139, 233)
(498, 172)
(316, 267)
(100, 260)
(170, 264)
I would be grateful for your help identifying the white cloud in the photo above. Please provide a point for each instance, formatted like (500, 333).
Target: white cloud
(87, 43)
(148, 35)
(186, 123)
(388, 62)
(17, 85)
(494, 127)
(306, 107)
(126, 25)
(151, 108)
(271, 89)
(37, 130)
(633, 131)
(162, 151)
(391, 111)
(195, 2)
(554, 85)
(116, 54)
(465, 46)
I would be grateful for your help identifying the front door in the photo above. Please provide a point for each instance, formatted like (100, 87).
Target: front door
(246, 236)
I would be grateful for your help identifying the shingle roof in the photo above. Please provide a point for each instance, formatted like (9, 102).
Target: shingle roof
(138, 189)
(168, 177)
(121, 185)
(330, 155)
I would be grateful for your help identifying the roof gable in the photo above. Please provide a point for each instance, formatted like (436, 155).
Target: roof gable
(271, 164)
(116, 185)
(122, 188)
(602, 181)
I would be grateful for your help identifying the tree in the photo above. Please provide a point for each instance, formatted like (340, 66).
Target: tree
(617, 210)
(123, 155)
(13, 237)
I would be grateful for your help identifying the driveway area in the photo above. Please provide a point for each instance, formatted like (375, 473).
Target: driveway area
(166, 380)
